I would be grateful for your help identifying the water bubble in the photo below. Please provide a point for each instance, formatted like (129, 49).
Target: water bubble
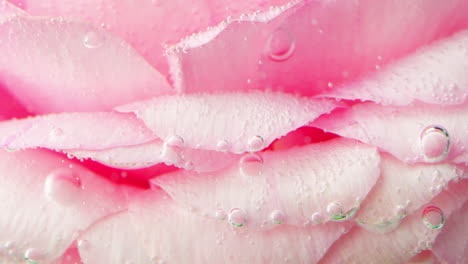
(280, 45)
(83, 244)
(335, 211)
(255, 143)
(220, 214)
(33, 256)
(175, 141)
(317, 218)
(223, 145)
(63, 186)
(435, 143)
(237, 217)
(277, 217)
(433, 217)
(400, 211)
(251, 164)
(93, 40)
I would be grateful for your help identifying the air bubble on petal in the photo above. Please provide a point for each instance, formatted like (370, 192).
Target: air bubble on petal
(280, 45)
(433, 217)
(223, 145)
(220, 214)
(93, 40)
(255, 143)
(175, 141)
(251, 164)
(237, 217)
(277, 217)
(63, 186)
(33, 256)
(317, 218)
(400, 211)
(435, 143)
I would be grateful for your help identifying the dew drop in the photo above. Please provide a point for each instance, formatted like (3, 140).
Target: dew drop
(280, 45)
(175, 141)
(433, 217)
(335, 211)
(63, 186)
(93, 40)
(220, 214)
(251, 164)
(317, 218)
(237, 217)
(435, 143)
(400, 211)
(277, 217)
(33, 256)
(83, 244)
(223, 145)
(255, 143)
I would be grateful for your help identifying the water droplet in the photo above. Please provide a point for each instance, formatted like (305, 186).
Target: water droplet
(223, 145)
(220, 214)
(251, 164)
(400, 211)
(277, 217)
(433, 217)
(435, 143)
(280, 45)
(33, 256)
(317, 218)
(175, 141)
(63, 186)
(335, 211)
(83, 244)
(237, 217)
(255, 143)
(93, 40)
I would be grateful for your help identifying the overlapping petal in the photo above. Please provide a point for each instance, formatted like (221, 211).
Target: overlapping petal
(47, 202)
(318, 182)
(309, 46)
(403, 131)
(54, 65)
(234, 122)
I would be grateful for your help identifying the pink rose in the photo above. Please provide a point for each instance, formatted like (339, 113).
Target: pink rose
(218, 131)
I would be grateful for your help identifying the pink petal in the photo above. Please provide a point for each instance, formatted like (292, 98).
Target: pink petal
(298, 183)
(10, 107)
(228, 122)
(155, 152)
(412, 236)
(74, 130)
(54, 65)
(435, 74)
(112, 240)
(47, 201)
(310, 46)
(149, 24)
(451, 245)
(401, 130)
(159, 220)
(7, 9)
(402, 189)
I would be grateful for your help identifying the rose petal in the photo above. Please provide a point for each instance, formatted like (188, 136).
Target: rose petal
(218, 242)
(74, 130)
(412, 236)
(298, 183)
(54, 65)
(435, 74)
(149, 154)
(311, 46)
(401, 130)
(112, 240)
(401, 190)
(7, 9)
(149, 24)
(47, 201)
(229, 122)
(451, 245)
